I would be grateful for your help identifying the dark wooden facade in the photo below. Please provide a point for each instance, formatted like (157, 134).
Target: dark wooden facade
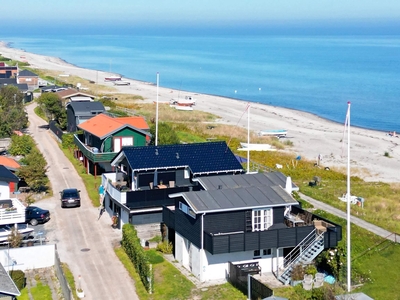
(226, 232)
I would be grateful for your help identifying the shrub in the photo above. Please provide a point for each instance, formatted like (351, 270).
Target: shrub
(131, 245)
(165, 247)
(18, 277)
(311, 270)
(298, 272)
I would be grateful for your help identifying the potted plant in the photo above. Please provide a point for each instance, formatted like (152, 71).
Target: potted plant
(114, 221)
(297, 274)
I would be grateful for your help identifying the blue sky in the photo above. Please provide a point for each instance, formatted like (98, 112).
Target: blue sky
(202, 12)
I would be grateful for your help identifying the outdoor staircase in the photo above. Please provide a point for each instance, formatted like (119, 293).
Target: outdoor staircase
(305, 252)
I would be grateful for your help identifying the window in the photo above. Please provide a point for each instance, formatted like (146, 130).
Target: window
(267, 252)
(262, 219)
(187, 210)
(256, 252)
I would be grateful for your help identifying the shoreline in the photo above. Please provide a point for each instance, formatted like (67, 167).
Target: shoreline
(311, 135)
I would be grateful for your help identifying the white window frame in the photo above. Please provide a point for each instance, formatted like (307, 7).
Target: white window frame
(262, 219)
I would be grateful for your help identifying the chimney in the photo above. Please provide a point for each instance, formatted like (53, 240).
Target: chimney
(288, 186)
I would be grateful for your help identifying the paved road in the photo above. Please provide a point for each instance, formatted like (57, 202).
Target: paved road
(357, 221)
(83, 242)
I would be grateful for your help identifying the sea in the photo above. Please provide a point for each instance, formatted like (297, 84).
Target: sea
(315, 73)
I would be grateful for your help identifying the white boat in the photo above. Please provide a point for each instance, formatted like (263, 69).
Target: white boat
(23, 229)
(183, 107)
(353, 199)
(256, 147)
(120, 82)
(188, 101)
(274, 132)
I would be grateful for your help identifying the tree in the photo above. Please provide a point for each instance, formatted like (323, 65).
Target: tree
(34, 170)
(166, 135)
(12, 113)
(21, 145)
(15, 238)
(53, 107)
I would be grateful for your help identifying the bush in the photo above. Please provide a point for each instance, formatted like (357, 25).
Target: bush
(165, 247)
(18, 277)
(131, 245)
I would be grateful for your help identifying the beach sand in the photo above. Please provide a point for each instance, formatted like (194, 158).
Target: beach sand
(310, 134)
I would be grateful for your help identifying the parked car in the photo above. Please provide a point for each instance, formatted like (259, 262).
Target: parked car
(70, 198)
(35, 215)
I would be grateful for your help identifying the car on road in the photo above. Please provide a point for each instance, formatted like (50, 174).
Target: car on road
(70, 198)
(35, 215)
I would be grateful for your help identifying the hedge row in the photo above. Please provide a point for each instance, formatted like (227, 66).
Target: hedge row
(131, 245)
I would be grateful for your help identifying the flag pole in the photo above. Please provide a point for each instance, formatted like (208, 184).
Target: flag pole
(156, 139)
(348, 202)
(248, 138)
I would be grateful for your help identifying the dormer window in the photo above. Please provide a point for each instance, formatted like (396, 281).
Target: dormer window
(262, 219)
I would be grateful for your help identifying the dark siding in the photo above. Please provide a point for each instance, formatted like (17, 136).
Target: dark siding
(168, 218)
(224, 222)
(268, 239)
(180, 178)
(71, 123)
(188, 227)
(287, 237)
(236, 243)
(252, 241)
(278, 214)
(221, 244)
(146, 218)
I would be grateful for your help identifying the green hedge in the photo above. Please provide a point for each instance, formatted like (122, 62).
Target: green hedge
(131, 245)
(18, 277)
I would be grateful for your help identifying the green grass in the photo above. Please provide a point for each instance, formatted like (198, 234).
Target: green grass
(170, 284)
(24, 294)
(70, 279)
(41, 292)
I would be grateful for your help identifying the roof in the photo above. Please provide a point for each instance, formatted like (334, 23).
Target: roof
(251, 197)
(9, 163)
(244, 180)
(135, 121)
(72, 93)
(355, 296)
(103, 125)
(201, 158)
(26, 73)
(7, 285)
(86, 107)
(6, 175)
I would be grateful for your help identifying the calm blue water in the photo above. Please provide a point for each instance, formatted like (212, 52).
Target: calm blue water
(317, 74)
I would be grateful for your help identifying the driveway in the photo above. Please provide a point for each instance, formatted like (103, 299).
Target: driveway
(83, 242)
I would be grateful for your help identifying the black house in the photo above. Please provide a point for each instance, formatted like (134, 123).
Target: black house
(81, 111)
(242, 219)
(145, 176)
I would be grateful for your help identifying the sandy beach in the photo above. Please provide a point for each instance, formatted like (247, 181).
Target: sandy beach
(310, 134)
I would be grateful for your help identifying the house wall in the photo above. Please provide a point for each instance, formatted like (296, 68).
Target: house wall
(31, 81)
(224, 222)
(188, 227)
(71, 123)
(138, 139)
(4, 190)
(207, 267)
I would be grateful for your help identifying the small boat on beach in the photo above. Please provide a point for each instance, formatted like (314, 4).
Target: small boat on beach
(188, 101)
(113, 78)
(120, 82)
(183, 107)
(256, 147)
(6, 230)
(279, 133)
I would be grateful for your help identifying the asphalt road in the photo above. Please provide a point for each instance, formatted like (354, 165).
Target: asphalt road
(83, 242)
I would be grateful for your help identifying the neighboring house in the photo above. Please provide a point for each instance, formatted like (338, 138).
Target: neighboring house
(72, 95)
(8, 289)
(104, 136)
(8, 71)
(8, 182)
(9, 163)
(245, 219)
(144, 177)
(28, 77)
(81, 111)
(23, 87)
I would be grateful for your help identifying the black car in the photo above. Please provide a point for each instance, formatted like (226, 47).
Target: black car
(70, 198)
(35, 215)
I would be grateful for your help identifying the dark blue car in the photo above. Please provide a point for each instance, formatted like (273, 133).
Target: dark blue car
(35, 215)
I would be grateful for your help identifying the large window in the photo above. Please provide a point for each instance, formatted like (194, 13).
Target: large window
(262, 219)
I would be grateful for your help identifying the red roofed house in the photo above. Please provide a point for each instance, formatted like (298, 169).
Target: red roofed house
(12, 166)
(104, 136)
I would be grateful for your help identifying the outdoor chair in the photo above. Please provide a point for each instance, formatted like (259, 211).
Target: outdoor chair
(308, 282)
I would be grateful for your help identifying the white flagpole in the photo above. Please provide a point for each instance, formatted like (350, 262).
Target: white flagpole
(248, 138)
(348, 202)
(156, 139)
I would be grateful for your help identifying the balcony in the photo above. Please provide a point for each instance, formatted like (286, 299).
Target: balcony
(90, 154)
(11, 211)
(140, 199)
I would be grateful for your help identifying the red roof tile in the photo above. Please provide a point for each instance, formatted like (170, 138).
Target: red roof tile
(9, 163)
(102, 125)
